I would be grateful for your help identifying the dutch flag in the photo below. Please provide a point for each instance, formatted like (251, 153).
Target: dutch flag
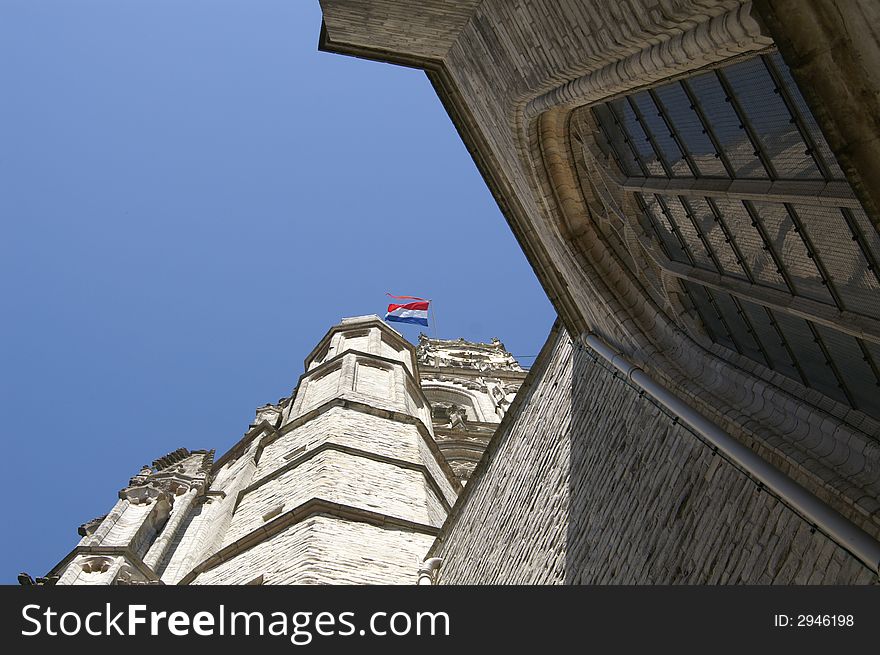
(410, 312)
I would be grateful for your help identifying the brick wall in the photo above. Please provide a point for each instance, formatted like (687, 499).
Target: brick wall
(593, 483)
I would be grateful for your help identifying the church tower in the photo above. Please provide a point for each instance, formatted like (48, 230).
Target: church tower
(346, 481)
(470, 386)
(350, 487)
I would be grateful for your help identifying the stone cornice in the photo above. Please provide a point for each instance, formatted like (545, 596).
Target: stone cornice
(492, 346)
(375, 411)
(313, 507)
(342, 448)
(471, 446)
(474, 428)
(454, 371)
(325, 44)
(238, 449)
(460, 353)
(363, 322)
(269, 433)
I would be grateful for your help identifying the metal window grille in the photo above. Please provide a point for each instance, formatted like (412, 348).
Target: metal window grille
(734, 178)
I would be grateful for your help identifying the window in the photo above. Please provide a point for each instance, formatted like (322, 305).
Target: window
(747, 206)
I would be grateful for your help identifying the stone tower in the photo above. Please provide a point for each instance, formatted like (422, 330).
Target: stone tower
(345, 481)
(470, 386)
(695, 184)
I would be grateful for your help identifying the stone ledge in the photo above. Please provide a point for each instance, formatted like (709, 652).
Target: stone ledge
(367, 409)
(357, 452)
(312, 507)
(239, 448)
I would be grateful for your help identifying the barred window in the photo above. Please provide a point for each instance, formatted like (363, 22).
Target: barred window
(734, 178)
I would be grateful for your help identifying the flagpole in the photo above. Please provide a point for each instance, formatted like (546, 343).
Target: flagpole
(434, 317)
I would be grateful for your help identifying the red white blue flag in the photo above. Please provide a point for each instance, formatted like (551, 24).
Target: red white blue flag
(415, 311)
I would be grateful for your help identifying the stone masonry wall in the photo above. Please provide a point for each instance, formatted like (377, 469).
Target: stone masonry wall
(509, 81)
(615, 491)
(340, 478)
(318, 550)
(347, 428)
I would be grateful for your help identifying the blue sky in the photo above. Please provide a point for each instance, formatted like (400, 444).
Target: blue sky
(190, 196)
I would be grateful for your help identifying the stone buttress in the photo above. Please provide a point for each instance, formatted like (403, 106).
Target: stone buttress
(125, 545)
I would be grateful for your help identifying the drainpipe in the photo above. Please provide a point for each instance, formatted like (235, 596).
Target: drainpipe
(828, 520)
(428, 571)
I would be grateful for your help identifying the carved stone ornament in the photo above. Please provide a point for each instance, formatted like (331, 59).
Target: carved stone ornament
(89, 527)
(145, 495)
(142, 476)
(124, 577)
(269, 413)
(458, 353)
(97, 564)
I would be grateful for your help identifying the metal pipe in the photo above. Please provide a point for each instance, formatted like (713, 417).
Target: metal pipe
(428, 571)
(824, 517)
